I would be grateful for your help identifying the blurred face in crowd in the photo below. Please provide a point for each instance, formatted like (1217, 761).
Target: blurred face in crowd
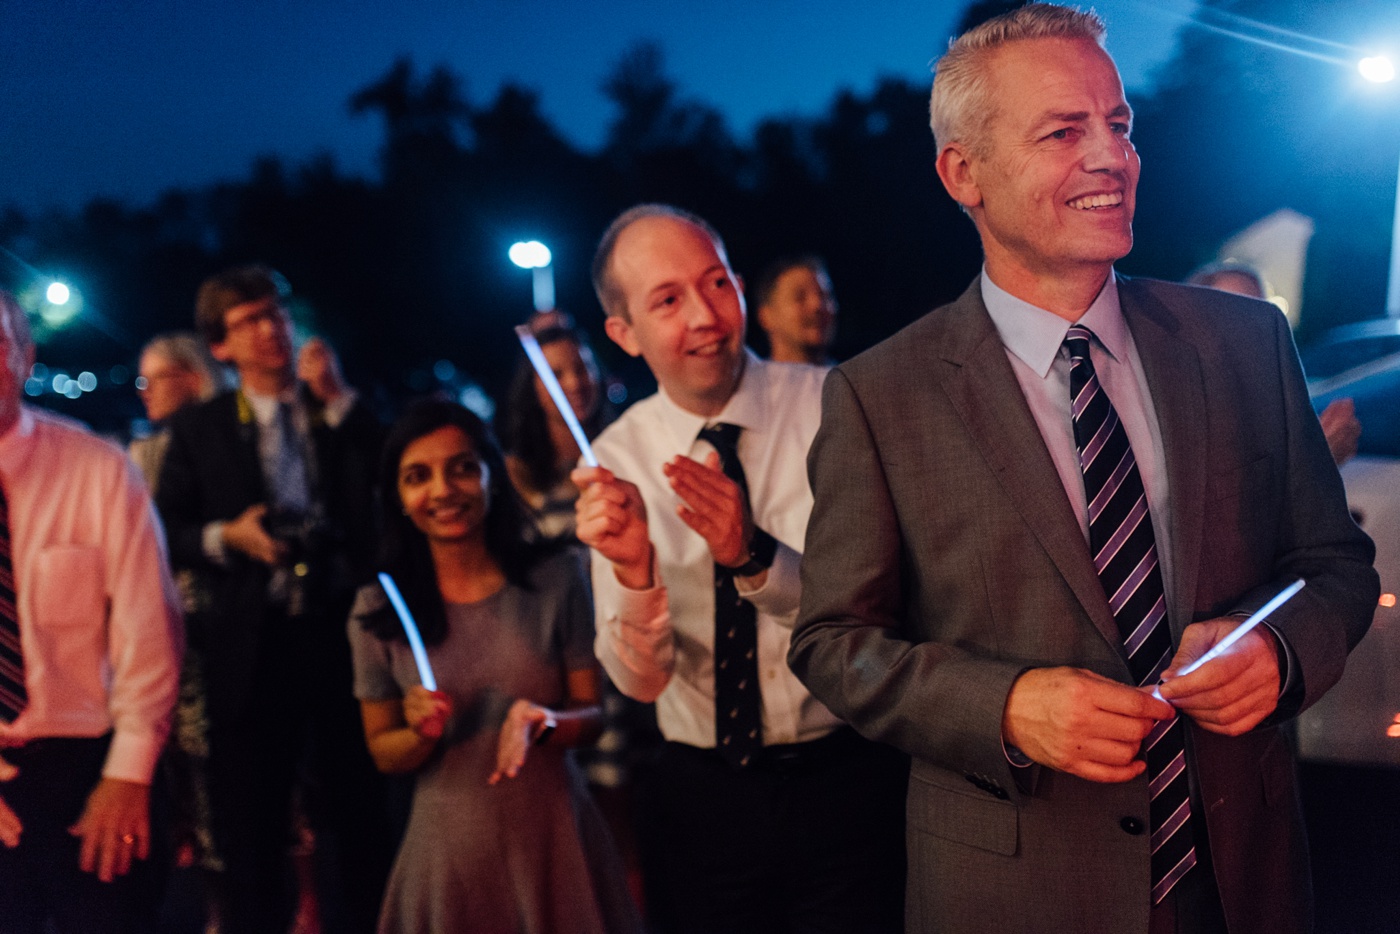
(257, 341)
(577, 372)
(18, 359)
(1053, 186)
(443, 486)
(686, 308)
(165, 385)
(800, 316)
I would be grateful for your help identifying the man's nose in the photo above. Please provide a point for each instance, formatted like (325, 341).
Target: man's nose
(1105, 150)
(702, 312)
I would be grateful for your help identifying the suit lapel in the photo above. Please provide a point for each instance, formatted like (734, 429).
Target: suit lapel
(1173, 371)
(249, 464)
(986, 395)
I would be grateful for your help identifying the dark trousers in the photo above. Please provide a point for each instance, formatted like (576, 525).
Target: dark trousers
(40, 880)
(300, 725)
(810, 838)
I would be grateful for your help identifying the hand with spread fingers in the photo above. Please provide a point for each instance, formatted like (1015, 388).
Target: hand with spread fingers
(115, 828)
(714, 506)
(524, 722)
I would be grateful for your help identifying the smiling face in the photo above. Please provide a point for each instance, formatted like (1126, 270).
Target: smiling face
(574, 367)
(800, 315)
(443, 485)
(1053, 188)
(686, 311)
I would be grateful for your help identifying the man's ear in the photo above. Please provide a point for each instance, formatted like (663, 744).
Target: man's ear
(621, 333)
(956, 170)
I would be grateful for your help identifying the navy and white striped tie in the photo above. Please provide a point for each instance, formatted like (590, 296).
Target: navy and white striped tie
(13, 696)
(1125, 556)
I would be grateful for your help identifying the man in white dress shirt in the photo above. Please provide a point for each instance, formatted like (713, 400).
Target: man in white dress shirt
(771, 815)
(90, 644)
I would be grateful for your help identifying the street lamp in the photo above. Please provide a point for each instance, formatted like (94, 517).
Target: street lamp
(1379, 69)
(535, 256)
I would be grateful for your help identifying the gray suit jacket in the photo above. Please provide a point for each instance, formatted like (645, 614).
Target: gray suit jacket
(943, 559)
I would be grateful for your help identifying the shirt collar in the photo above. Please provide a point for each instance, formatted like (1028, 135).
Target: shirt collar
(747, 407)
(264, 406)
(1036, 335)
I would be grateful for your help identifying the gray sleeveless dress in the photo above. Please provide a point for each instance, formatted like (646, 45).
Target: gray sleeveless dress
(529, 855)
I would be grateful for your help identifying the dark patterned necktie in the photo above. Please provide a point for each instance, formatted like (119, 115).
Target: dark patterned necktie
(13, 696)
(1125, 556)
(738, 701)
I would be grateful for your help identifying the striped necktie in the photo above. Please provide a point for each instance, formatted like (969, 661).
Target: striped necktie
(738, 700)
(13, 696)
(1125, 556)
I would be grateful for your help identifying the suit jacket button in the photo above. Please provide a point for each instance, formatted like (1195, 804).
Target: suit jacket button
(1131, 825)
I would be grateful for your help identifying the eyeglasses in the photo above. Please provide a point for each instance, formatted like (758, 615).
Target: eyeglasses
(272, 312)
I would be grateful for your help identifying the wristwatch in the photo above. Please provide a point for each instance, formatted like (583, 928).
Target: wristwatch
(762, 548)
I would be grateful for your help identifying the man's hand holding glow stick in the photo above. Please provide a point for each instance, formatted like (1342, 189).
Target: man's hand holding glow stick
(1240, 631)
(410, 628)
(556, 392)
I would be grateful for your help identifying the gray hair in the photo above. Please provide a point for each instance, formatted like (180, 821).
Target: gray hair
(187, 351)
(1212, 274)
(609, 295)
(961, 107)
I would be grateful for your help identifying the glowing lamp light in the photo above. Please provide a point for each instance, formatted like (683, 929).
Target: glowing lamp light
(530, 254)
(1387, 600)
(58, 293)
(1393, 731)
(1377, 69)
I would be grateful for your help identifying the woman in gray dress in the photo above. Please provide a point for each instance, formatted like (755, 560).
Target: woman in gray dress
(502, 835)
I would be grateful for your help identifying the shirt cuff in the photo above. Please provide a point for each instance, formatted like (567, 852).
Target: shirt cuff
(213, 542)
(132, 757)
(781, 590)
(1016, 757)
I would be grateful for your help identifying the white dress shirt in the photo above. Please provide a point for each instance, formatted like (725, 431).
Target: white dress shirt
(99, 622)
(668, 631)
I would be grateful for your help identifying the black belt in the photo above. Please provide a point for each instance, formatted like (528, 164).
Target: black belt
(840, 742)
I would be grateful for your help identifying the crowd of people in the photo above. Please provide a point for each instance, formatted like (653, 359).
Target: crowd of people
(894, 644)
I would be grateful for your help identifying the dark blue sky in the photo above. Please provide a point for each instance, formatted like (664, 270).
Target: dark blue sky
(125, 98)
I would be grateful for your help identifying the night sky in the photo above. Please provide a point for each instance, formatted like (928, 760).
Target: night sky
(126, 98)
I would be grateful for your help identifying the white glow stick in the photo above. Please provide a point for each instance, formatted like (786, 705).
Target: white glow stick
(1239, 632)
(410, 628)
(556, 392)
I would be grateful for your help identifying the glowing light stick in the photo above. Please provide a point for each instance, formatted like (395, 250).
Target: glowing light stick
(1239, 632)
(556, 392)
(410, 628)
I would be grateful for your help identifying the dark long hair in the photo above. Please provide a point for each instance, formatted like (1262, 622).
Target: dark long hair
(525, 423)
(404, 551)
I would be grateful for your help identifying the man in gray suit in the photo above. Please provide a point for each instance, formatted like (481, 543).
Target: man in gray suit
(1034, 504)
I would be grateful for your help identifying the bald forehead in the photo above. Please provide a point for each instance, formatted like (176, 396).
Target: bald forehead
(662, 230)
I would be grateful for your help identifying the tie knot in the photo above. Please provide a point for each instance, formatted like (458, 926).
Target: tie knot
(1077, 340)
(724, 437)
